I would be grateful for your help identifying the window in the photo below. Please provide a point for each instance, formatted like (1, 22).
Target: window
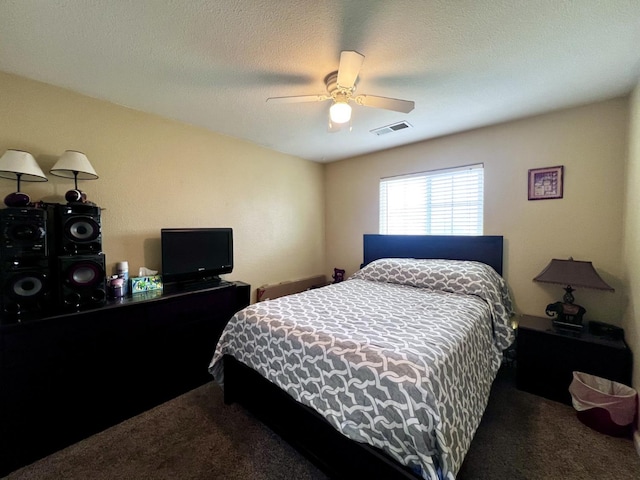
(440, 202)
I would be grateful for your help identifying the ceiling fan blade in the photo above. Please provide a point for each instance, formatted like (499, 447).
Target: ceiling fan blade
(395, 104)
(350, 64)
(299, 99)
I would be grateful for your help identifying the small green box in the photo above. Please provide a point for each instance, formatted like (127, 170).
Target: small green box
(146, 284)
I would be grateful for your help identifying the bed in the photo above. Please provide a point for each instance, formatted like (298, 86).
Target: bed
(384, 375)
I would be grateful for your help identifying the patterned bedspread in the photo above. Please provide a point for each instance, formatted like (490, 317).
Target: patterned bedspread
(401, 356)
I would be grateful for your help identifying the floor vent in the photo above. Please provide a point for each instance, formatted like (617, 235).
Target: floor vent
(390, 128)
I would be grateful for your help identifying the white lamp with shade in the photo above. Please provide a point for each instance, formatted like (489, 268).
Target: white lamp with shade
(76, 165)
(19, 165)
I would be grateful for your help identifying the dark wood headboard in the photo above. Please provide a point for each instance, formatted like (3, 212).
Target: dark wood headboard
(486, 249)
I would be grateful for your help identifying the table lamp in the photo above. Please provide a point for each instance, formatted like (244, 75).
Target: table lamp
(572, 273)
(16, 164)
(76, 165)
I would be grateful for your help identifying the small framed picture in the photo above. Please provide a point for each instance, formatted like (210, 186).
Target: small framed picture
(546, 183)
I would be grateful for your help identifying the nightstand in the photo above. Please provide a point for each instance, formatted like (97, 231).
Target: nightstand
(547, 357)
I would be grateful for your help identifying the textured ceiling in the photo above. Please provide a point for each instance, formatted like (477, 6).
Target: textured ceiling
(465, 63)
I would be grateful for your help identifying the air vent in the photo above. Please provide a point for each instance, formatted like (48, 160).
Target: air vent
(390, 128)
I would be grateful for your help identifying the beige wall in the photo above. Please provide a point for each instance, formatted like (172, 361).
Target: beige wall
(158, 173)
(591, 143)
(631, 256)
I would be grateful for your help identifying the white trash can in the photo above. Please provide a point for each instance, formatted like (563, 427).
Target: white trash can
(604, 405)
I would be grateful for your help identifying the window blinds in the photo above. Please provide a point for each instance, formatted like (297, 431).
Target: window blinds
(440, 202)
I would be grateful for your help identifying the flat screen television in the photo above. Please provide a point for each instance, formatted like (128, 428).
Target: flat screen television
(194, 255)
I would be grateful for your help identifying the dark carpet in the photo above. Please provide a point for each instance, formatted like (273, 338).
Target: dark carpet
(196, 436)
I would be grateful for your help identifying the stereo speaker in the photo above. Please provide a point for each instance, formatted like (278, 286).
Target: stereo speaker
(82, 281)
(25, 288)
(77, 229)
(23, 233)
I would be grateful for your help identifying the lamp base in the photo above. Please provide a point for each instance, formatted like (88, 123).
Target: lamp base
(17, 199)
(75, 196)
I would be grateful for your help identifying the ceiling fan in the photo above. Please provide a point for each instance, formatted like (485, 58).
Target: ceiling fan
(341, 86)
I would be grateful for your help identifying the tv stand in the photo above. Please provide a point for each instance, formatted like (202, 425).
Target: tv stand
(64, 377)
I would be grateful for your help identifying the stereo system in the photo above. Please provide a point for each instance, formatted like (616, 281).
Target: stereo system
(81, 280)
(50, 259)
(24, 233)
(26, 287)
(78, 229)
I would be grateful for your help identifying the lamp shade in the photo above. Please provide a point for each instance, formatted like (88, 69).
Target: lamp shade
(340, 112)
(18, 164)
(72, 164)
(573, 273)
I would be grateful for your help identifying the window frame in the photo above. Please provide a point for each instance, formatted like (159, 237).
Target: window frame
(469, 204)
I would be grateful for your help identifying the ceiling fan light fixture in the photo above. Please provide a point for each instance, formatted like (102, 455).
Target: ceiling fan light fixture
(340, 112)
(341, 87)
